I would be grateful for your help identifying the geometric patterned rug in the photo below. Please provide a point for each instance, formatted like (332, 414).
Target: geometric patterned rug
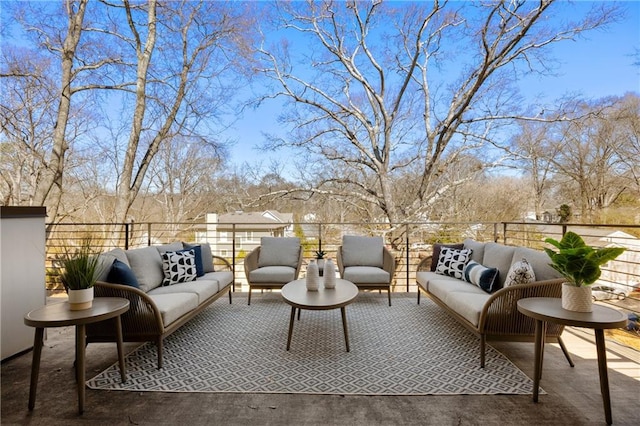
(405, 349)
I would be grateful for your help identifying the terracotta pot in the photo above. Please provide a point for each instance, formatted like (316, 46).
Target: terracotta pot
(577, 299)
(80, 299)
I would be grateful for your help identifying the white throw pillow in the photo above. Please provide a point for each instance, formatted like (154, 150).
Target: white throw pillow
(520, 273)
(452, 262)
(178, 267)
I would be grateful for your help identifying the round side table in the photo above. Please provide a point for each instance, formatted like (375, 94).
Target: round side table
(59, 315)
(547, 309)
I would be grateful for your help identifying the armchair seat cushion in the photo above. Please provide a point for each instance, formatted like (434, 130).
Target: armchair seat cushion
(366, 275)
(272, 274)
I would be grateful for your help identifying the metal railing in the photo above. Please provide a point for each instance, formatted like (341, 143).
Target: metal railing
(410, 242)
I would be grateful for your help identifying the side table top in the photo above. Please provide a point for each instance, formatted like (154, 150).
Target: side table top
(296, 294)
(550, 309)
(59, 314)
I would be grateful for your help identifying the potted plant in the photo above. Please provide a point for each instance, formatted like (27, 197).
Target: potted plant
(320, 260)
(580, 265)
(81, 268)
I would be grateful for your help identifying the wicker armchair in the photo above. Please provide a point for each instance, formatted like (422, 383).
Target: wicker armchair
(365, 273)
(276, 262)
(143, 321)
(500, 319)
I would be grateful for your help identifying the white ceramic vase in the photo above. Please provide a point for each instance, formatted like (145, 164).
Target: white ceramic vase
(329, 274)
(577, 299)
(313, 276)
(80, 299)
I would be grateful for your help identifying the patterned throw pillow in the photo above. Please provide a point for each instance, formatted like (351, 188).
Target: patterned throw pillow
(451, 262)
(178, 266)
(483, 277)
(520, 273)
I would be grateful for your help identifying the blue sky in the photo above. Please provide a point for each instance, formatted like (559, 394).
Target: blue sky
(600, 64)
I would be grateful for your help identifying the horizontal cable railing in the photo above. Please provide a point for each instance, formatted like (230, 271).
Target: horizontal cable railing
(410, 242)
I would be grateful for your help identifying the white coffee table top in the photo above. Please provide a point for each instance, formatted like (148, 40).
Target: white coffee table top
(296, 294)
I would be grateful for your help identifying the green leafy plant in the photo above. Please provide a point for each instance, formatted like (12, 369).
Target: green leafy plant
(578, 262)
(80, 267)
(320, 254)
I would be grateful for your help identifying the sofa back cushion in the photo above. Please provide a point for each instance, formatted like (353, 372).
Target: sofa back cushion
(279, 251)
(539, 261)
(206, 257)
(106, 260)
(498, 256)
(146, 265)
(175, 246)
(477, 249)
(362, 251)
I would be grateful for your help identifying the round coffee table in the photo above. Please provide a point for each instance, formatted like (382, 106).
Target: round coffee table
(296, 294)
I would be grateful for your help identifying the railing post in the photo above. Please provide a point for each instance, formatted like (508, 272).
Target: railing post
(406, 230)
(126, 236)
(233, 253)
(319, 237)
(504, 233)
(148, 234)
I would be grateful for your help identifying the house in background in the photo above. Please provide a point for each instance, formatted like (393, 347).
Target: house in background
(248, 228)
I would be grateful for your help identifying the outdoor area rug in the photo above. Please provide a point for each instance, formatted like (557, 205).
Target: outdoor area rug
(403, 349)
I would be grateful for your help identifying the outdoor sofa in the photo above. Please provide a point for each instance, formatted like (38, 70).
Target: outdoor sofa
(158, 304)
(507, 273)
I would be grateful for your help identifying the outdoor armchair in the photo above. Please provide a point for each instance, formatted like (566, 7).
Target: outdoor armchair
(273, 264)
(366, 262)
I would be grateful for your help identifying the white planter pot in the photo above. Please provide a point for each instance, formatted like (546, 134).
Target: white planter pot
(577, 299)
(80, 299)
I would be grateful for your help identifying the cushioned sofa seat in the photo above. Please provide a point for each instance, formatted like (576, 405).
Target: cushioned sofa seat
(203, 289)
(174, 305)
(467, 304)
(224, 278)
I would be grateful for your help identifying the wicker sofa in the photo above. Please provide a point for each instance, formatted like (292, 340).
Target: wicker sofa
(157, 310)
(493, 315)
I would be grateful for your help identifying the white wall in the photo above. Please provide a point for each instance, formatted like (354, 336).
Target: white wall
(22, 273)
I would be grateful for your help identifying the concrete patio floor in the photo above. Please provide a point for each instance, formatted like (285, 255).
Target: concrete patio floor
(573, 395)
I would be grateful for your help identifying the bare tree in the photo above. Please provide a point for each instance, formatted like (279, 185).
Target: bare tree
(533, 150)
(383, 91)
(588, 155)
(151, 72)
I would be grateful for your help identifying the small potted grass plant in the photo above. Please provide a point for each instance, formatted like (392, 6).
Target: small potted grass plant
(580, 265)
(320, 260)
(81, 268)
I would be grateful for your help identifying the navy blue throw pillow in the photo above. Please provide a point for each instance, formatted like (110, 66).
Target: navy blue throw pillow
(197, 250)
(120, 273)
